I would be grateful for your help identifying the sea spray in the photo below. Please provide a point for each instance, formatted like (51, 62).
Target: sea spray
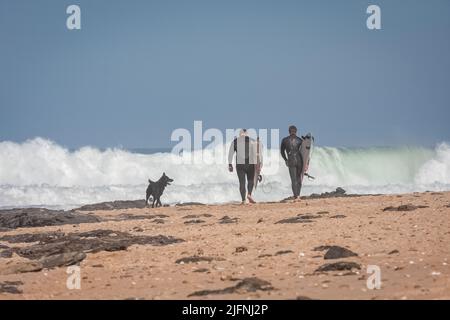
(39, 172)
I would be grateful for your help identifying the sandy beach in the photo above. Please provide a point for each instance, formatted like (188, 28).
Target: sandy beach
(262, 251)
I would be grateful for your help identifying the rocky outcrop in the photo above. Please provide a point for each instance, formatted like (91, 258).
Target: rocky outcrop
(339, 192)
(336, 252)
(114, 205)
(92, 241)
(38, 217)
(58, 249)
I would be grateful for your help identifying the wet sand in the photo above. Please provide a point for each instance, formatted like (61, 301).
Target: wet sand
(262, 251)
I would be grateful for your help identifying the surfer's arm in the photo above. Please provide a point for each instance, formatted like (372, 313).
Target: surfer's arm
(283, 149)
(231, 152)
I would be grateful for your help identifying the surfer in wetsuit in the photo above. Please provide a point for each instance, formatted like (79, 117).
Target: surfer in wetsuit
(244, 147)
(290, 151)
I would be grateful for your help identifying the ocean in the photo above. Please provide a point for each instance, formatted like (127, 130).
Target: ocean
(41, 173)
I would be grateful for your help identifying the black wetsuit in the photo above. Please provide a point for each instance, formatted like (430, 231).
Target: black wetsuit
(243, 167)
(291, 146)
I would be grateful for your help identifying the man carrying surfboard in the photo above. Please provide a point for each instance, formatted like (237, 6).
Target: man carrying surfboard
(291, 152)
(246, 160)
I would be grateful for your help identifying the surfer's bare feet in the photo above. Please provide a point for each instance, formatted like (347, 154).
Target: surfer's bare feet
(250, 199)
(242, 202)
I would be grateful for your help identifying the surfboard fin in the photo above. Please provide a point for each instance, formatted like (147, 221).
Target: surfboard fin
(309, 176)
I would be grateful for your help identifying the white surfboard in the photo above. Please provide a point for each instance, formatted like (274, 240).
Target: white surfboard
(258, 165)
(305, 151)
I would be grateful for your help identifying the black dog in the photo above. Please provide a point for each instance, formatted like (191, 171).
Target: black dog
(156, 189)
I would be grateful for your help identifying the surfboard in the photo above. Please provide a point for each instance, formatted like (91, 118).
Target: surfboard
(305, 151)
(258, 165)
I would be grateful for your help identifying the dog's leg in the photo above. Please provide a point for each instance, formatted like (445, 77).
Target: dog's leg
(159, 201)
(153, 204)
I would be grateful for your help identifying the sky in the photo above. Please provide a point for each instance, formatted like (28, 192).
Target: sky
(137, 70)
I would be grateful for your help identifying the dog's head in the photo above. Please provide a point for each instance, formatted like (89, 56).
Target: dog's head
(165, 179)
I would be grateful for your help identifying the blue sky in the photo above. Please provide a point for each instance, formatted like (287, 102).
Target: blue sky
(139, 69)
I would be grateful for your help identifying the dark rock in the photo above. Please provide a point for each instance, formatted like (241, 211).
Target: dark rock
(62, 259)
(260, 220)
(195, 221)
(264, 255)
(339, 192)
(246, 285)
(338, 266)
(32, 237)
(308, 216)
(195, 216)
(323, 212)
(404, 207)
(241, 249)
(338, 216)
(6, 253)
(114, 205)
(297, 219)
(70, 249)
(10, 287)
(201, 270)
(161, 216)
(278, 253)
(227, 219)
(336, 252)
(2, 246)
(97, 265)
(394, 251)
(288, 199)
(91, 241)
(194, 259)
(37, 217)
(303, 298)
(184, 204)
(158, 221)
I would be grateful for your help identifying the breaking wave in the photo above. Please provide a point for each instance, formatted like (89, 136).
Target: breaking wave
(39, 172)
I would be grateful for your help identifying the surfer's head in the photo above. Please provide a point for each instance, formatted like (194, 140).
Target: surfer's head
(292, 130)
(243, 132)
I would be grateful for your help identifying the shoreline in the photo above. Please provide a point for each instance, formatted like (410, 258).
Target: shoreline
(140, 204)
(277, 250)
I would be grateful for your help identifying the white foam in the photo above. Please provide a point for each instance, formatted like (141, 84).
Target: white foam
(40, 172)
